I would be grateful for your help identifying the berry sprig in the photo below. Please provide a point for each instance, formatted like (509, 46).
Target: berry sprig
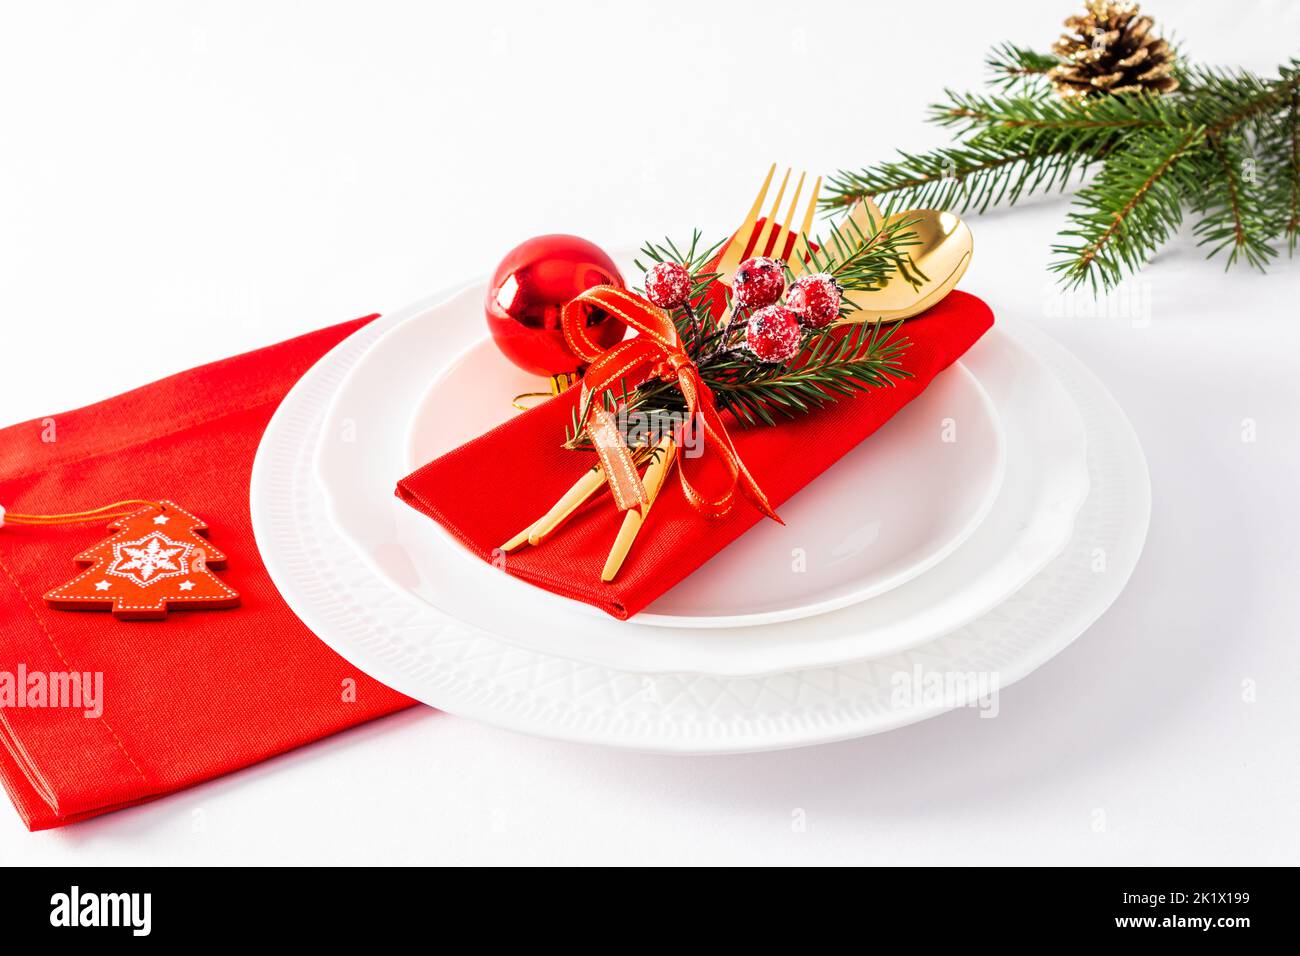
(774, 332)
(772, 359)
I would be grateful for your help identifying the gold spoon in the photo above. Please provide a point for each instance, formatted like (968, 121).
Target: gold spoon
(943, 253)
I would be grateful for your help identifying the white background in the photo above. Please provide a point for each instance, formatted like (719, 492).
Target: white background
(181, 182)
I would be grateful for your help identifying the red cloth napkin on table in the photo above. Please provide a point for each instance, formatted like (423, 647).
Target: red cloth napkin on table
(201, 693)
(488, 489)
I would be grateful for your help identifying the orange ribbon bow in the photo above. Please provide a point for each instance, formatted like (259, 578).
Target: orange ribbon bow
(656, 353)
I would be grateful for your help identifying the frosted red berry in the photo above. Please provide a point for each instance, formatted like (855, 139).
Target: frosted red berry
(758, 282)
(668, 285)
(773, 334)
(815, 299)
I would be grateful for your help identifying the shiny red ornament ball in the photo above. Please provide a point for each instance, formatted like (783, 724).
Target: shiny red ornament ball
(773, 334)
(815, 299)
(530, 287)
(758, 282)
(668, 285)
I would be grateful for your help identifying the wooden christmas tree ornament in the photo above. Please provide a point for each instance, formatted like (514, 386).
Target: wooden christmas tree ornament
(158, 559)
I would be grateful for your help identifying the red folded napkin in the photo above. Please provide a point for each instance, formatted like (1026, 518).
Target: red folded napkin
(488, 489)
(201, 693)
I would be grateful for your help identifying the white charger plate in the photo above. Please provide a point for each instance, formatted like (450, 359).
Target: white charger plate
(426, 654)
(1044, 486)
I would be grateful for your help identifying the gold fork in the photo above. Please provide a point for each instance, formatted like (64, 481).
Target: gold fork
(752, 236)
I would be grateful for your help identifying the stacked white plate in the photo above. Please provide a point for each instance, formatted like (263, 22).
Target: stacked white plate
(972, 537)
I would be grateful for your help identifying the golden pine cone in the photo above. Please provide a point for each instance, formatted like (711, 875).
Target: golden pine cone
(1110, 49)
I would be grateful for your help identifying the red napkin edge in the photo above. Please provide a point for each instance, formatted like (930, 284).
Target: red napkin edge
(48, 791)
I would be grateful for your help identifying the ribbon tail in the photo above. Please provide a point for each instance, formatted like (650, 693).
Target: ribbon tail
(699, 399)
(620, 469)
(755, 494)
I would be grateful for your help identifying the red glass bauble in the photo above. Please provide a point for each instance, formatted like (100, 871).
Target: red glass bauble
(532, 284)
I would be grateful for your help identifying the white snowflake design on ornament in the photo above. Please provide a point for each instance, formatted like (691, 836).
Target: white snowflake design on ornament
(149, 559)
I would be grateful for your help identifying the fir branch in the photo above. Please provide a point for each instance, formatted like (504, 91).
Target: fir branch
(1018, 146)
(865, 260)
(1235, 214)
(1221, 100)
(1292, 174)
(1012, 65)
(976, 175)
(834, 364)
(695, 258)
(1020, 140)
(1095, 120)
(1132, 208)
(1279, 171)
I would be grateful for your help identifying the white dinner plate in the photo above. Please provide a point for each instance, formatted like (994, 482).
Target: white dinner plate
(1045, 483)
(887, 511)
(459, 667)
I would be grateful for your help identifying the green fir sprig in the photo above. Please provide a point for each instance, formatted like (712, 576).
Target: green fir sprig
(1224, 147)
(864, 260)
(832, 363)
(1013, 65)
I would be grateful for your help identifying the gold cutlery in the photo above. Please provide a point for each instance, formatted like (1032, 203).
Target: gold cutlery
(586, 486)
(664, 454)
(942, 253)
(943, 250)
(661, 459)
(583, 488)
(754, 238)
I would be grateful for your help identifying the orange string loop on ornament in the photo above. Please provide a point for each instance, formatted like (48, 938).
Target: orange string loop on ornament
(118, 509)
(654, 353)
